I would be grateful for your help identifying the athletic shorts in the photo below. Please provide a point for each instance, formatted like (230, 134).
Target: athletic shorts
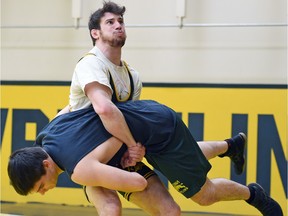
(182, 162)
(140, 168)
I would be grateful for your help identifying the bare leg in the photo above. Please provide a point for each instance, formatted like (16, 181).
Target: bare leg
(220, 189)
(105, 201)
(216, 190)
(155, 199)
(234, 148)
(212, 149)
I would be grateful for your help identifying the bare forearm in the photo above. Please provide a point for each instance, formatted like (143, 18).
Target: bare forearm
(133, 182)
(92, 173)
(111, 117)
(115, 124)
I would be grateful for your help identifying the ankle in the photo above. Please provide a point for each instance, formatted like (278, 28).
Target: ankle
(252, 195)
(228, 151)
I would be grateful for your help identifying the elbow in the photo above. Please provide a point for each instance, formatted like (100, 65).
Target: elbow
(143, 184)
(140, 183)
(105, 109)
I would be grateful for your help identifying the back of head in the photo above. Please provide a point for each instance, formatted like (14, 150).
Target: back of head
(25, 168)
(108, 7)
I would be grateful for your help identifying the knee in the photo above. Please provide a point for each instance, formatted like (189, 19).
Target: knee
(106, 202)
(171, 208)
(174, 210)
(113, 209)
(207, 195)
(204, 200)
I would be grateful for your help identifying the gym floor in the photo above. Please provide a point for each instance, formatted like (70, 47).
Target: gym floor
(40, 209)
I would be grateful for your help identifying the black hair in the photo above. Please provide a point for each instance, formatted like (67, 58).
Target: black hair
(25, 168)
(95, 18)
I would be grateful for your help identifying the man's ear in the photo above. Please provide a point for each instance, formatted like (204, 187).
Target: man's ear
(95, 34)
(46, 163)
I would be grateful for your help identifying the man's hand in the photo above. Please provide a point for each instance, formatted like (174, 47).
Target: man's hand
(137, 152)
(133, 155)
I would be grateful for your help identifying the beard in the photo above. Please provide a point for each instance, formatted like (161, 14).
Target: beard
(114, 40)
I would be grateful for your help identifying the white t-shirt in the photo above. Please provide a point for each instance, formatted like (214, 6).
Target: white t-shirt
(96, 68)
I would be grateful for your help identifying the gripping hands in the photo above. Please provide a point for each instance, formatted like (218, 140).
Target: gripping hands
(133, 155)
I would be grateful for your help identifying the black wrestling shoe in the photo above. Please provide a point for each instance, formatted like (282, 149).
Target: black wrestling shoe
(236, 147)
(264, 203)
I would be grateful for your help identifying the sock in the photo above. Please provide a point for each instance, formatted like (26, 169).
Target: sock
(252, 195)
(229, 145)
(227, 153)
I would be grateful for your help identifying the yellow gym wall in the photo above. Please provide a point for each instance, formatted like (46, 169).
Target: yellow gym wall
(218, 106)
(232, 55)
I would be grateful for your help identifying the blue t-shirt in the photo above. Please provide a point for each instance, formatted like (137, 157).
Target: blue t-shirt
(70, 137)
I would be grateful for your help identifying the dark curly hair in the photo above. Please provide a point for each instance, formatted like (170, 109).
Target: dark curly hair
(108, 7)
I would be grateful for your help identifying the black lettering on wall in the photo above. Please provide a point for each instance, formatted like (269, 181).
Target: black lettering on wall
(19, 120)
(4, 113)
(269, 141)
(196, 125)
